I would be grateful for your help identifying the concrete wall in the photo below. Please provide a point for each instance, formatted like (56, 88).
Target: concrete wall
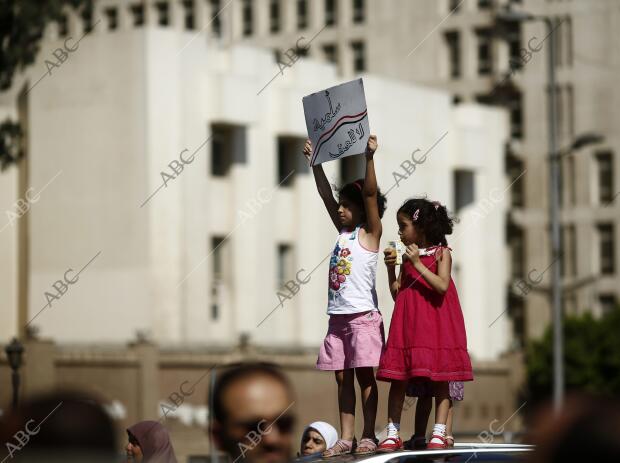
(139, 381)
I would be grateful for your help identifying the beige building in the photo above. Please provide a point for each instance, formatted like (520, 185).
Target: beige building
(453, 45)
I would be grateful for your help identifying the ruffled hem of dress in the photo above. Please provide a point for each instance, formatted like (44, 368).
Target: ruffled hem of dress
(403, 364)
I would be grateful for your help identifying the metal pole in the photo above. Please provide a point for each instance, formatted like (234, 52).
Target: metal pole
(212, 449)
(554, 214)
(15, 383)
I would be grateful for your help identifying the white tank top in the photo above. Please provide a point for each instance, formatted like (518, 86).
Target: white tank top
(352, 272)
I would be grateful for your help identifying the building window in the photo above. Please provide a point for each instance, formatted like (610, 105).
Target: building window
(137, 11)
(515, 106)
(285, 264)
(605, 169)
(111, 15)
(215, 307)
(330, 51)
(87, 20)
(302, 14)
(608, 303)
(454, 54)
(247, 15)
(571, 174)
(358, 11)
(513, 37)
(515, 170)
(227, 147)
(330, 12)
(188, 10)
(359, 59)
(163, 13)
(485, 57)
(607, 250)
(517, 315)
(454, 5)
(217, 253)
(218, 261)
(63, 26)
(464, 193)
(289, 159)
(274, 16)
(570, 107)
(516, 244)
(557, 40)
(568, 33)
(216, 22)
(301, 52)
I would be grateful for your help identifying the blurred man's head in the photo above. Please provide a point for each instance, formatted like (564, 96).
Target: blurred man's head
(585, 430)
(252, 417)
(60, 426)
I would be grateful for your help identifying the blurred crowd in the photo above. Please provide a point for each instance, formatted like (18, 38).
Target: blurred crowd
(253, 419)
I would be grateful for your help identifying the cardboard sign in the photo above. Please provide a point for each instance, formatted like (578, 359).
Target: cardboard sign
(337, 122)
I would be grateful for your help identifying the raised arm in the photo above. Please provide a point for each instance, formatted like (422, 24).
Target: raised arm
(373, 221)
(325, 189)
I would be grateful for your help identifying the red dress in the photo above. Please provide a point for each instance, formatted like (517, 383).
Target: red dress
(427, 334)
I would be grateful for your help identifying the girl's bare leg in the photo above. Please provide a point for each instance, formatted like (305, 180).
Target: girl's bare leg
(449, 420)
(442, 402)
(395, 400)
(346, 402)
(370, 399)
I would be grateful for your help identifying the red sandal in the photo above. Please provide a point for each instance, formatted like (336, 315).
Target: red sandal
(390, 444)
(433, 445)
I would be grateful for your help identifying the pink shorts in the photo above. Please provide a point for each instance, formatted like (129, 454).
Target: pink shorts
(352, 341)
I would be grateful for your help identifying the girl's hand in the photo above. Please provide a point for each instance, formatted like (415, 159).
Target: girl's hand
(308, 149)
(389, 257)
(371, 146)
(412, 252)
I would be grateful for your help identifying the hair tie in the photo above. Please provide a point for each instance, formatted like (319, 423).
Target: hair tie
(357, 184)
(415, 215)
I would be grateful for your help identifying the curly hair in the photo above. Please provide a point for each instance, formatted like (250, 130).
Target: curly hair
(432, 219)
(353, 192)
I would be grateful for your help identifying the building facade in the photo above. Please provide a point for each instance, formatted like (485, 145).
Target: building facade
(460, 47)
(177, 205)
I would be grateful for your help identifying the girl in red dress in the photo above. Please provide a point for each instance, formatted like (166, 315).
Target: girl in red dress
(427, 340)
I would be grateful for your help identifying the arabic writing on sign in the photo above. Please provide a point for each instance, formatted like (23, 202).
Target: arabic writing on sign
(342, 148)
(329, 116)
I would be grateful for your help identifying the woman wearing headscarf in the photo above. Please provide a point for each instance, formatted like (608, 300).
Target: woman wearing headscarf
(149, 442)
(318, 437)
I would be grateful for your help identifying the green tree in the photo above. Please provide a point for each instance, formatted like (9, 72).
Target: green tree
(591, 357)
(22, 23)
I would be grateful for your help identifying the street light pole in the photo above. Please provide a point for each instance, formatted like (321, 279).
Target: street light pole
(554, 207)
(554, 215)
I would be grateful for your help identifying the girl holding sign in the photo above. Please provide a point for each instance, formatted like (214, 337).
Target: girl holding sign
(427, 341)
(355, 336)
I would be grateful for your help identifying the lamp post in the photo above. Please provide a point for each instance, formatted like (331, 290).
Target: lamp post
(14, 353)
(554, 205)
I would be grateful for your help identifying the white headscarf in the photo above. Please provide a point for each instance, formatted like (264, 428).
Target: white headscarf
(329, 433)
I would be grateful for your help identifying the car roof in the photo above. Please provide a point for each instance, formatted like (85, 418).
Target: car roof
(470, 450)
